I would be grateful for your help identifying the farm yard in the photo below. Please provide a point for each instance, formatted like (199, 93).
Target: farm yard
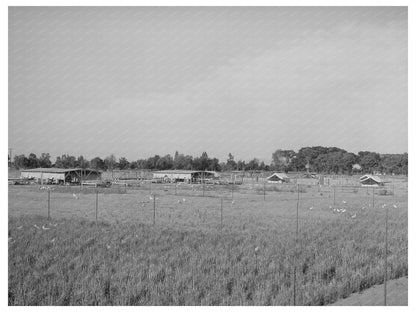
(167, 244)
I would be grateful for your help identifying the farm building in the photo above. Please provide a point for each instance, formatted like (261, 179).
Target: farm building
(59, 175)
(278, 178)
(371, 180)
(310, 175)
(188, 176)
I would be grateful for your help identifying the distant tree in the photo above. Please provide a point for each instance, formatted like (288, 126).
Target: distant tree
(175, 158)
(98, 164)
(335, 161)
(393, 163)
(214, 165)
(189, 162)
(201, 163)
(347, 161)
(81, 162)
(369, 161)
(197, 164)
(323, 163)
(21, 162)
(164, 163)
(282, 160)
(33, 161)
(231, 164)
(151, 162)
(205, 161)
(123, 163)
(66, 161)
(133, 165)
(141, 164)
(253, 164)
(403, 164)
(223, 166)
(58, 162)
(110, 162)
(45, 160)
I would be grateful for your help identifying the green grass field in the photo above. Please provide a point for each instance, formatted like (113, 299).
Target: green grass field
(188, 259)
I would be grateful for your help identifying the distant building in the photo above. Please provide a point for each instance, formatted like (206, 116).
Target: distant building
(278, 178)
(371, 180)
(60, 175)
(187, 176)
(310, 175)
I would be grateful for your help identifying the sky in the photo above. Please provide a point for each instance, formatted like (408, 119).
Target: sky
(140, 81)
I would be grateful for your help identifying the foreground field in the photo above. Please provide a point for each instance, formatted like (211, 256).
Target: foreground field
(188, 259)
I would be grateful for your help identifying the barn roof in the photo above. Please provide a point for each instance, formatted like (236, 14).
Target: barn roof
(57, 170)
(280, 175)
(176, 171)
(372, 177)
(214, 173)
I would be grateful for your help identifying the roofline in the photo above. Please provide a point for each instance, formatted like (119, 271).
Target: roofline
(57, 170)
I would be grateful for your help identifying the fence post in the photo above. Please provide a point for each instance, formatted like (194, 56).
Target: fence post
(296, 250)
(154, 209)
(49, 204)
(96, 205)
(221, 214)
(176, 186)
(232, 190)
(264, 190)
(385, 260)
(203, 183)
(373, 197)
(334, 195)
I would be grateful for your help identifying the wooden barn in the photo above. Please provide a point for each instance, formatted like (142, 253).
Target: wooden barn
(60, 175)
(371, 180)
(278, 178)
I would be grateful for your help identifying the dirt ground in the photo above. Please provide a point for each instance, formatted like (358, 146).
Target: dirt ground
(396, 295)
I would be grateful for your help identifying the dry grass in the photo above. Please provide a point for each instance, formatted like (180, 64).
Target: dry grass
(186, 259)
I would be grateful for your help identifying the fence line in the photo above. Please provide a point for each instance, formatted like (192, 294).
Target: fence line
(297, 252)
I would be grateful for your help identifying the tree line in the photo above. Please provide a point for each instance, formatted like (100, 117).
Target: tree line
(329, 160)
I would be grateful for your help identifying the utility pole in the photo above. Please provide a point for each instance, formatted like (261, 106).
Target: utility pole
(10, 155)
(385, 260)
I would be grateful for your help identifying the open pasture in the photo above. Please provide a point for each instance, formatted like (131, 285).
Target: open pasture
(200, 254)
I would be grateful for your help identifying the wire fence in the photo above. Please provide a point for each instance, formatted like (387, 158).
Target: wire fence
(230, 208)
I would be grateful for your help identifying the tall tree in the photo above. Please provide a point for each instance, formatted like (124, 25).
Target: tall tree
(123, 163)
(111, 162)
(33, 161)
(98, 164)
(282, 160)
(45, 160)
(231, 164)
(369, 161)
(21, 161)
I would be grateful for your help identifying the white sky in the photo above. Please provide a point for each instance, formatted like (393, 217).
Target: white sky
(142, 81)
